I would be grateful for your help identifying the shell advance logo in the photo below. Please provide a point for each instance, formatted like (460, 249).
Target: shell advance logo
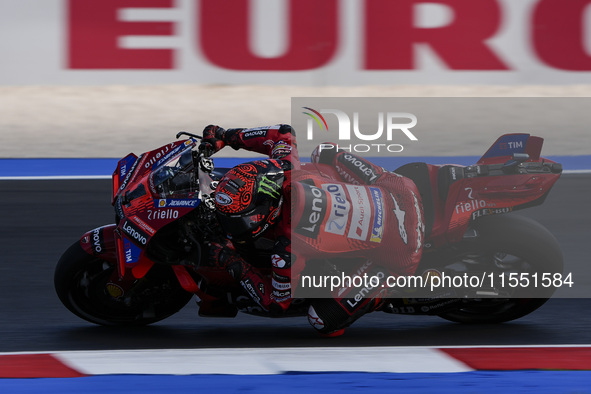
(395, 122)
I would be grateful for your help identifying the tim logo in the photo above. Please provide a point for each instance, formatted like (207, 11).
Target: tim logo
(388, 124)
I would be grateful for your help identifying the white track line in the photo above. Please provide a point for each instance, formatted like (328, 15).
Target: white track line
(269, 361)
(266, 361)
(82, 177)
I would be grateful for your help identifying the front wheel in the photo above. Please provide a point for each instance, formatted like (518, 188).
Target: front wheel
(508, 244)
(91, 289)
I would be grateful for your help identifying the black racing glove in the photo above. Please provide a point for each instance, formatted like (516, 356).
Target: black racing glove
(225, 257)
(213, 138)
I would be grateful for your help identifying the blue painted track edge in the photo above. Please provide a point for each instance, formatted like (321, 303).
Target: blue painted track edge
(328, 383)
(102, 168)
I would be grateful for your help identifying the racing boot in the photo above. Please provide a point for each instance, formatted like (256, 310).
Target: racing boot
(332, 315)
(321, 327)
(329, 318)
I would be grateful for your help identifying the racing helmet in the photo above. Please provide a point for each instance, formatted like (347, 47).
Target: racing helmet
(248, 199)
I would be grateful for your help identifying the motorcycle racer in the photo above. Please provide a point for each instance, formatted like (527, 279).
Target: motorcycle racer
(345, 208)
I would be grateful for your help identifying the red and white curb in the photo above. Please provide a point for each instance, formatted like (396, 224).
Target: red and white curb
(268, 361)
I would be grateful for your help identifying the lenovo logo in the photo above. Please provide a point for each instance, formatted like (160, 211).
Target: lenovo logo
(315, 203)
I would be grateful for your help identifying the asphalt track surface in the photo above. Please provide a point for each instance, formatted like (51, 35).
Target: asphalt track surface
(40, 219)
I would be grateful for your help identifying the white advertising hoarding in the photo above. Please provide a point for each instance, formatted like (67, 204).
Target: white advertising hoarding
(298, 42)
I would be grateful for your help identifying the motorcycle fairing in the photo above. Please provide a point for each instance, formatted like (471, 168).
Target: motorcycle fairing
(107, 243)
(131, 258)
(100, 242)
(453, 196)
(498, 183)
(124, 170)
(157, 190)
(471, 198)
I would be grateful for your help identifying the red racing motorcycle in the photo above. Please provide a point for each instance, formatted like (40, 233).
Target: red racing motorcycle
(152, 261)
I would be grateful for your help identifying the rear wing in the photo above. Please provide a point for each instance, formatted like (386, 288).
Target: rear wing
(508, 144)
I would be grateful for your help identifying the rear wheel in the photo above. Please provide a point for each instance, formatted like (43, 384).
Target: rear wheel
(508, 244)
(90, 288)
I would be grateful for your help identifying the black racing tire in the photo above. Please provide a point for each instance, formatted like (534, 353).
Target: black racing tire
(81, 280)
(519, 237)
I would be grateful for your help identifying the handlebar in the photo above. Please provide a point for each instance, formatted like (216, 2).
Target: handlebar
(204, 149)
(204, 168)
(180, 133)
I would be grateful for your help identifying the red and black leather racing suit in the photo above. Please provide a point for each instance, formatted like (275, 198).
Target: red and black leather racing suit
(338, 206)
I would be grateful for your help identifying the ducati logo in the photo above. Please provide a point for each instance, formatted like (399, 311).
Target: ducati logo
(400, 214)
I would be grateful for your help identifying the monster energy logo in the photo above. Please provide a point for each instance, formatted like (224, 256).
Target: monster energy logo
(269, 187)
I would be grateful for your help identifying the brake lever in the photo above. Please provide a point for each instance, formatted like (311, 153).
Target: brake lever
(203, 149)
(188, 134)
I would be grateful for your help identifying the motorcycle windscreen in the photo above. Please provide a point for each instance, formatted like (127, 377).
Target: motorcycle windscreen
(176, 178)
